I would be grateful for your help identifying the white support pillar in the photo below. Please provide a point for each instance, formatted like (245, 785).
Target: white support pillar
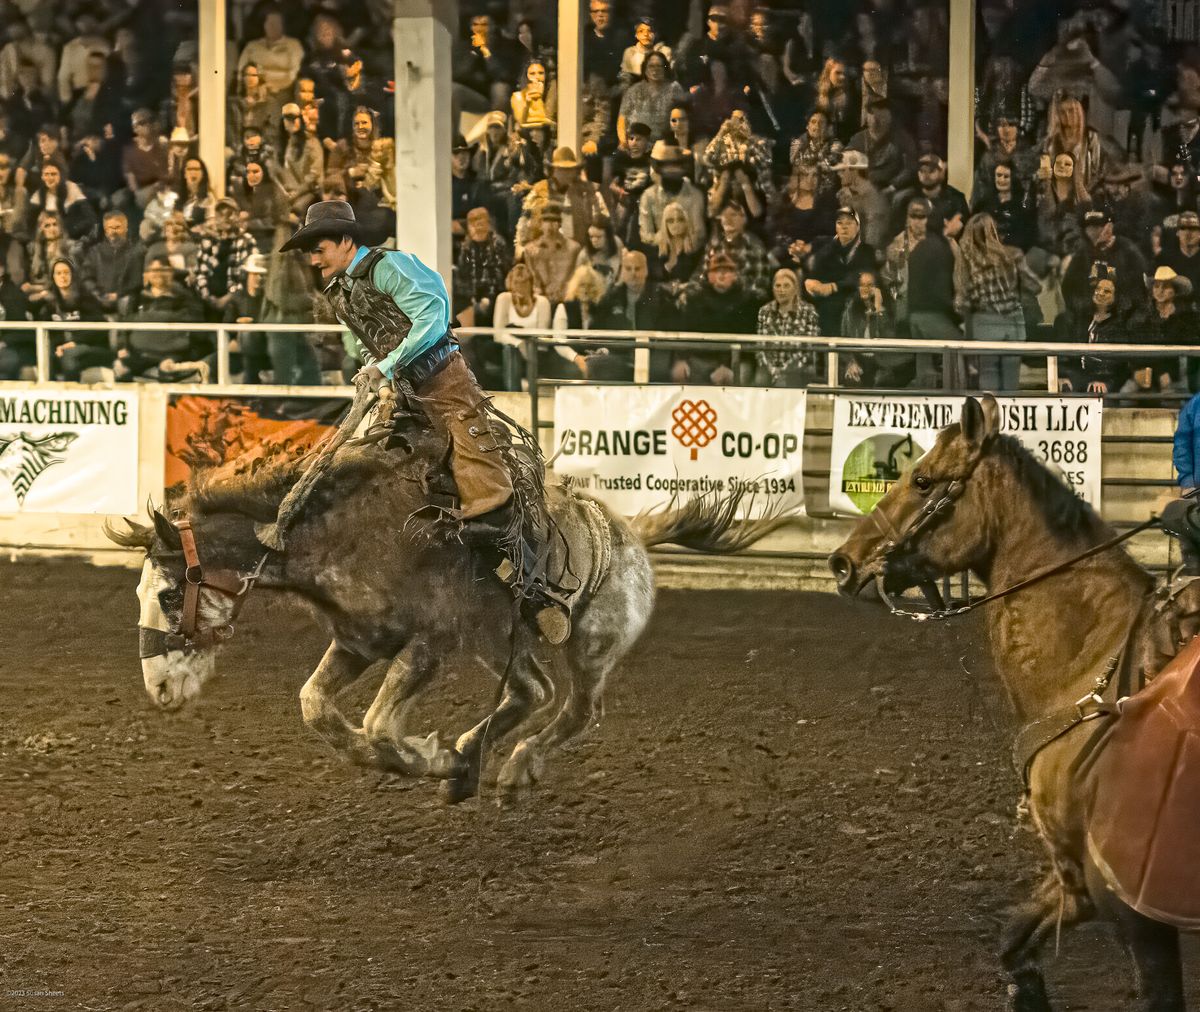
(960, 156)
(213, 88)
(570, 71)
(422, 35)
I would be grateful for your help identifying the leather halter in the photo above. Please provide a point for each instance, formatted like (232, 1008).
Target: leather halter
(189, 637)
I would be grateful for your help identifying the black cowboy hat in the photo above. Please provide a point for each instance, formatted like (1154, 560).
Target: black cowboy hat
(325, 219)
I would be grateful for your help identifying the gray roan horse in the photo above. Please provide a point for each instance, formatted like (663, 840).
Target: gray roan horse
(979, 501)
(385, 590)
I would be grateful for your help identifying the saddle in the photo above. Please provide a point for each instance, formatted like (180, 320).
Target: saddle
(1143, 833)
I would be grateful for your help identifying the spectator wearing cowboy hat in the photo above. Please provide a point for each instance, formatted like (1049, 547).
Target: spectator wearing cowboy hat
(1181, 249)
(551, 256)
(580, 199)
(1170, 320)
(871, 208)
(836, 265)
(465, 191)
(671, 186)
(1131, 204)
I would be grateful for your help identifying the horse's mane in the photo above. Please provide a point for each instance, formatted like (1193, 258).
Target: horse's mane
(1067, 516)
(257, 493)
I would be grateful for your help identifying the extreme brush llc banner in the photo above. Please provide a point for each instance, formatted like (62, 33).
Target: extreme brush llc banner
(636, 448)
(876, 439)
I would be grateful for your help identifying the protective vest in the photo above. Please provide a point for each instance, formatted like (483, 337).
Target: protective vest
(372, 316)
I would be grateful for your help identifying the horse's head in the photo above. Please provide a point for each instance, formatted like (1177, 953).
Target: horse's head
(175, 664)
(929, 524)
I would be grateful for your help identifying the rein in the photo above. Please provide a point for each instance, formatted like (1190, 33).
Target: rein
(934, 509)
(189, 637)
(1044, 730)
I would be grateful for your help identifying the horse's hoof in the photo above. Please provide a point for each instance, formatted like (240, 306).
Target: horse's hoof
(518, 775)
(459, 789)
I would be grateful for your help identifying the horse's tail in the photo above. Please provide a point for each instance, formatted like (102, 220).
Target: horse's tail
(704, 524)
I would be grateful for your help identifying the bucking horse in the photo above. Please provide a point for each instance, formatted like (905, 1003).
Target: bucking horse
(1079, 634)
(385, 586)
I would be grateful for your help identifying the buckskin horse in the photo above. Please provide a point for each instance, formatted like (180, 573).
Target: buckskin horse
(1073, 622)
(385, 589)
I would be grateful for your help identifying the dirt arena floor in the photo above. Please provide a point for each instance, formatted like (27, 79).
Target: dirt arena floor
(793, 802)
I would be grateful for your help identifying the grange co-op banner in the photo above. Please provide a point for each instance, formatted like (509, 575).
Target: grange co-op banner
(876, 439)
(637, 447)
(68, 451)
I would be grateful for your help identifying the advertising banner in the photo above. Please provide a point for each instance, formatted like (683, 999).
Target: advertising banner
(876, 439)
(68, 451)
(235, 434)
(636, 448)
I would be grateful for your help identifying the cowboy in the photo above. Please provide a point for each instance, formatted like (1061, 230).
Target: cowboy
(399, 313)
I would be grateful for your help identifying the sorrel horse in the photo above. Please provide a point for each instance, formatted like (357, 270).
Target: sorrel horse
(1073, 625)
(386, 589)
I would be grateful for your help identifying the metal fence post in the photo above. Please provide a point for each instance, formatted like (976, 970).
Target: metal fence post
(530, 344)
(223, 356)
(42, 344)
(641, 365)
(831, 369)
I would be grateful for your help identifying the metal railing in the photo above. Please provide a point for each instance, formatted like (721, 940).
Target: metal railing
(641, 343)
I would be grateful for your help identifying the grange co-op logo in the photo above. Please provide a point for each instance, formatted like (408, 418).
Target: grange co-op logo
(695, 424)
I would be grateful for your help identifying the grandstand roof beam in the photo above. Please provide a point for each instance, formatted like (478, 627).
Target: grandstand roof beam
(570, 71)
(422, 35)
(213, 87)
(960, 144)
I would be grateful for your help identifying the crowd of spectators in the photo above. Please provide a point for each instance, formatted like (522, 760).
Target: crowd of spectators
(107, 212)
(781, 170)
(778, 170)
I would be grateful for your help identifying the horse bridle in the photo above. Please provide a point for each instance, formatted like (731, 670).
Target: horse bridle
(936, 507)
(188, 637)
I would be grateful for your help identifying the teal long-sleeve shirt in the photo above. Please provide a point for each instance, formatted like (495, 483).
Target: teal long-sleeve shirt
(421, 295)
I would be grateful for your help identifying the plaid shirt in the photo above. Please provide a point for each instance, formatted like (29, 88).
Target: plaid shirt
(750, 256)
(208, 262)
(988, 288)
(482, 268)
(800, 322)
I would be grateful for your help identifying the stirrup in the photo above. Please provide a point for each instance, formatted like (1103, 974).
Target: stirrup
(554, 623)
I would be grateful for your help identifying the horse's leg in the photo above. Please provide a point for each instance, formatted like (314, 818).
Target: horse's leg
(1152, 945)
(338, 669)
(527, 688)
(526, 764)
(383, 724)
(1052, 909)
